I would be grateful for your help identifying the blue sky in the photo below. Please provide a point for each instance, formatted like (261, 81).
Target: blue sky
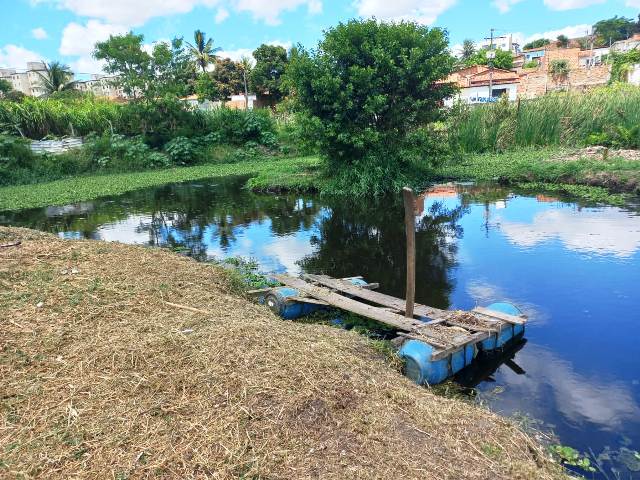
(67, 29)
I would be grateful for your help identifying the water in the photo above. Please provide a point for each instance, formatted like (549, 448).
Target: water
(575, 271)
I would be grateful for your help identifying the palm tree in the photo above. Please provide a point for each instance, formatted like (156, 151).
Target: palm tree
(56, 77)
(202, 51)
(245, 66)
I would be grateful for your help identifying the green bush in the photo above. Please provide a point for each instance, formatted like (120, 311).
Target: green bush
(16, 157)
(608, 114)
(237, 127)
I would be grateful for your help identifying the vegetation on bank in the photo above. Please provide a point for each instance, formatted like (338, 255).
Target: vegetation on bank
(78, 189)
(607, 116)
(160, 369)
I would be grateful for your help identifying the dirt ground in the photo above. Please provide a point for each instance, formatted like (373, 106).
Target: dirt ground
(104, 377)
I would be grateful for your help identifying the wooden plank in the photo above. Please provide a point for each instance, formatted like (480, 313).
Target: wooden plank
(307, 300)
(475, 338)
(499, 315)
(410, 227)
(340, 301)
(475, 328)
(376, 297)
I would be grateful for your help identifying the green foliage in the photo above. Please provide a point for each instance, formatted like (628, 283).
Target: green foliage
(125, 57)
(531, 64)
(563, 118)
(468, 49)
(622, 63)
(540, 42)
(559, 68)
(570, 456)
(15, 156)
(503, 59)
(228, 78)
(184, 151)
(368, 87)
(5, 86)
(207, 88)
(202, 50)
(238, 127)
(56, 78)
(562, 41)
(266, 76)
(614, 29)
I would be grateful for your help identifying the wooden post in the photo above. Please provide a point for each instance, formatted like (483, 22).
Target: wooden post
(410, 227)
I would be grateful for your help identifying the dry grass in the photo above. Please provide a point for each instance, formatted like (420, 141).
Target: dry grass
(102, 379)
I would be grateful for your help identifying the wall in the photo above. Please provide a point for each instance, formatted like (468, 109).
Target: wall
(480, 94)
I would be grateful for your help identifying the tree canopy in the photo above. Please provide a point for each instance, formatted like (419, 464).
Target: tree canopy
(468, 49)
(228, 78)
(56, 78)
(503, 59)
(614, 29)
(540, 42)
(562, 41)
(266, 76)
(202, 50)
(5, 86)
(369, 87)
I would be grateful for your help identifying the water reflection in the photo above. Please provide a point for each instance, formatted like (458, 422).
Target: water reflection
(574, 269)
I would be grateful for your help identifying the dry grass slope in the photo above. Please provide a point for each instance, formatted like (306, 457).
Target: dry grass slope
(105, 380)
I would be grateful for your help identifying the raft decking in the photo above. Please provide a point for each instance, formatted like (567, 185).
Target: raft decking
(446, 331)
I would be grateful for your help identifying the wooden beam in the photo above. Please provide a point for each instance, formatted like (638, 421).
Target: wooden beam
(340, 301)
(500, 316)
(376, 297)
(410, 227)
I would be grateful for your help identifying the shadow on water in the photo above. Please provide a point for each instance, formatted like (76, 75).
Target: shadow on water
(574, 268)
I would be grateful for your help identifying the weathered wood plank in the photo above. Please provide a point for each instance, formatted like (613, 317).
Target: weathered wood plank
(376, 297)
(475, 328)
(340, 301)
(308, 300)
(499, 315)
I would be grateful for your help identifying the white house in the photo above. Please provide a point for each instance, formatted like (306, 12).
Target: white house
(480, 84)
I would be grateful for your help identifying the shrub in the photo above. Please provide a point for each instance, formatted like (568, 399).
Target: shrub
(240, 126)
(183, 151)
(15, 158)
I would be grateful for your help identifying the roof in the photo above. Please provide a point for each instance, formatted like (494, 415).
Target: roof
(478, 75)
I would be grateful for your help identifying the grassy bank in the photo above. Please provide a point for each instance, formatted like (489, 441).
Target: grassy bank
(576, 172)
(125, 362)
(285, 172)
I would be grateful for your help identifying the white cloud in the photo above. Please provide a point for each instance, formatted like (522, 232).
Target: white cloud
(221, 15)
(81, 39)
(633, 3)
(414, 10)
(504, 6)
(39, 33)
(610, 231)
(571, 31)
(14, 56)
(136, 13)
(570, 4)
(269, 12)
(237, 54)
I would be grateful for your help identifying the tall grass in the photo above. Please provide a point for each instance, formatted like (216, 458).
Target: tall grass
(607, 115)
(38, 118)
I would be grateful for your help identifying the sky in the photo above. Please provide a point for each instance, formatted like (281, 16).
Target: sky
(66, 30)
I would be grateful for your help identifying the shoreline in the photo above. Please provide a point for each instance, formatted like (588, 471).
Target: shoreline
(613, 180)
(144, 362)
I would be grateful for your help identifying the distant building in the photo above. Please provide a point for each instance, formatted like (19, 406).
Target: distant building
(101, 86)
(480, 84)
(504, 42)
(28, 82)
(591, 58)
(622, 46)
(236, 102)
(533, 54)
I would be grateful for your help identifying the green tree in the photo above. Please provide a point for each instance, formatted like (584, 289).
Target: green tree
(246, 67)
(5, 86)
(228, 78)
(56, 78)
(202, 50)
(503, 59)
(468, 49)
(124, 57)
(562, 41)
(172, 70)
(266, 76)
(613, 29)
(206, 88)
(369, 87)
(541, 42)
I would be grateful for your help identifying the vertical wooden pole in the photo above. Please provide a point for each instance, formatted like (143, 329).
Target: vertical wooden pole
(410, 227)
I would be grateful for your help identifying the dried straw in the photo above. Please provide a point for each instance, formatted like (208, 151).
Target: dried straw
(102, 378)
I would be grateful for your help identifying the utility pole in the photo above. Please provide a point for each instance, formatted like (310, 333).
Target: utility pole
(490, 56)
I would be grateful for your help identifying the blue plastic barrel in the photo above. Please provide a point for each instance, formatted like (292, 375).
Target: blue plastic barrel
(278, 300)
(508, 331)
(421, 369)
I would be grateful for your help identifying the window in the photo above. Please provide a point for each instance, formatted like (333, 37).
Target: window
(498, 92)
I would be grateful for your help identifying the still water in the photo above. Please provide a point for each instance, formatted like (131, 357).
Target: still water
(574, 269)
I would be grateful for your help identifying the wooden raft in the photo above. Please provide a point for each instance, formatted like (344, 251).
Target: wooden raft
(445, 330)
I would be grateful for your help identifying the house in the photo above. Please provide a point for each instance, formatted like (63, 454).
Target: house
(534, 54)
(236, 102)
(28, 82)
(504, 42)
(481, 84)
(622, 46)
(101, 86)
(591, 58)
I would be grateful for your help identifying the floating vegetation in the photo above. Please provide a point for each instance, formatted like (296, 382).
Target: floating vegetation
(570, 456)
